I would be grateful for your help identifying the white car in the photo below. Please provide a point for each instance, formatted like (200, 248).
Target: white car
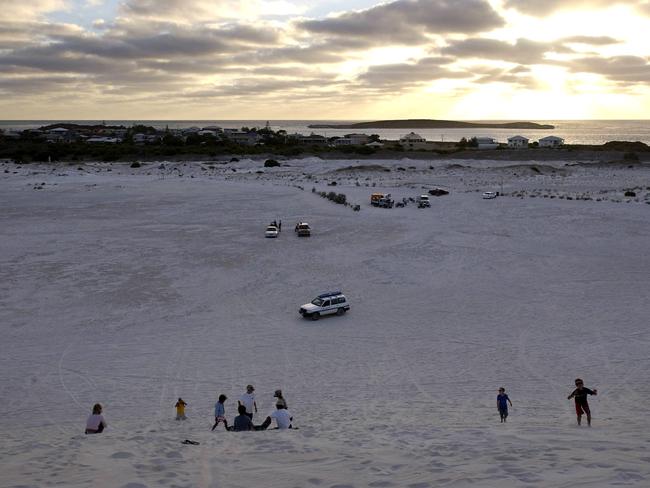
(333, 302)
(423, 201)
(488, 195)
(271, 231)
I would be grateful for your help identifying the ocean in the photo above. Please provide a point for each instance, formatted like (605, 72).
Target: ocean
(573, 131)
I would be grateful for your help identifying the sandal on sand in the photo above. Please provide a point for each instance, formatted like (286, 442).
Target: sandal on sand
(187, 441)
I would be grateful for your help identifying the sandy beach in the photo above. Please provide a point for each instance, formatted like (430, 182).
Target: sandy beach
(135, 286)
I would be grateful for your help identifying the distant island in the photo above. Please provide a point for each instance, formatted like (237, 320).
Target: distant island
(431, 124)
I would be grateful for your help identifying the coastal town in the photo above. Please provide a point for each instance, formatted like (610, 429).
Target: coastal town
(103, 142)
(141, 134)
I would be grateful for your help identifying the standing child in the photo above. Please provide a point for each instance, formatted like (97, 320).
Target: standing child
(180, 409)
(220, 412)
(580, 395)
(280, 399)
(502, 404)
(248, 401)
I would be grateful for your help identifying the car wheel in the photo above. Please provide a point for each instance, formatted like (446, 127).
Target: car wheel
(340, 311)
(315, 316)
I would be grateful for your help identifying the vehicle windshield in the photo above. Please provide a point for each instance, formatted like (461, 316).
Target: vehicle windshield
(317, 301)
(303, 226)
(271, 228)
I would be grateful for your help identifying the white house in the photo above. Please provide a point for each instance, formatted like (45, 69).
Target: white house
(551, 141)
(207, 132)
(313, 139)
(487, 143)
(103, 140)
(352, 140)
(518, 142)
(241, 137)
(413, 141)
(140, 138)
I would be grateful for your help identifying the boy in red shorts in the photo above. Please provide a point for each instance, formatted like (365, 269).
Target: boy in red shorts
(580, 395)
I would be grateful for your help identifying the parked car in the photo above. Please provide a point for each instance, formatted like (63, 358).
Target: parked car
(488, 195)
(271, 231)
(333, 302)
(303, 229)
(423, 201)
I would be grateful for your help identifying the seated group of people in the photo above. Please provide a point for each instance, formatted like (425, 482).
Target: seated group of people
(243, 422)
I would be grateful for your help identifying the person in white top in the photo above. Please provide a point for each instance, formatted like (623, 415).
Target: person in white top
(248, 401)
(96, 423)
(281, 416)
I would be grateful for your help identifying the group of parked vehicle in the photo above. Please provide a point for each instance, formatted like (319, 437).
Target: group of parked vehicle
(384, 200)
(273, 230)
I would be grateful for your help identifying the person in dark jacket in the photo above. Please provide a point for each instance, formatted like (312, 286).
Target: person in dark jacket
(242, 421)
(580, 396)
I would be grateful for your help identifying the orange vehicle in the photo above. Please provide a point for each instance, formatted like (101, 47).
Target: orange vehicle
(375, 197)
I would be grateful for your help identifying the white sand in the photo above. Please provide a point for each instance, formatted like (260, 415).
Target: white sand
(131, 290)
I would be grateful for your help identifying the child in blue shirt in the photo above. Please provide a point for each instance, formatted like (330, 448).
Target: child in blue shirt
(220, 412)
(502, 404)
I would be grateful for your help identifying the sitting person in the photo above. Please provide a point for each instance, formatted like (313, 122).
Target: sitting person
(242, 421)
(96, 423)
(281, 416)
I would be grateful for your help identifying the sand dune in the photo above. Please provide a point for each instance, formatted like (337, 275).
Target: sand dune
(132, 287)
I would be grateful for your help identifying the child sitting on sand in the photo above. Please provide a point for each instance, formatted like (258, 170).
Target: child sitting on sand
(96, 423)
(502, 404)
(580, 395)
(180, 409)
(220, 412)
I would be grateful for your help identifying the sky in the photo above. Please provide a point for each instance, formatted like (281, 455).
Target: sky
(324, 59)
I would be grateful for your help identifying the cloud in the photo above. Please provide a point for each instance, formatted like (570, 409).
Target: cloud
(622, 69)
(40, 85)
(404, 75)
(523, 51)
(244, 87)
(26, 10)
(205, 11)
(408, 21)
(541, 8)
(519, 76)
(590, 40)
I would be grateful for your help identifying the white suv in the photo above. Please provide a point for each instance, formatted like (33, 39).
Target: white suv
(333, 302)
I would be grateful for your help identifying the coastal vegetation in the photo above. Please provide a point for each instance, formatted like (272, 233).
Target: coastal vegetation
(77, 143)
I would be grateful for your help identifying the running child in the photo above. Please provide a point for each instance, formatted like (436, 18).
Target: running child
(580, 395)
(220, 412)
(502, 404)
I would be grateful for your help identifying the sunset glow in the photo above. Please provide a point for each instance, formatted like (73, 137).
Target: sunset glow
(299, 59)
